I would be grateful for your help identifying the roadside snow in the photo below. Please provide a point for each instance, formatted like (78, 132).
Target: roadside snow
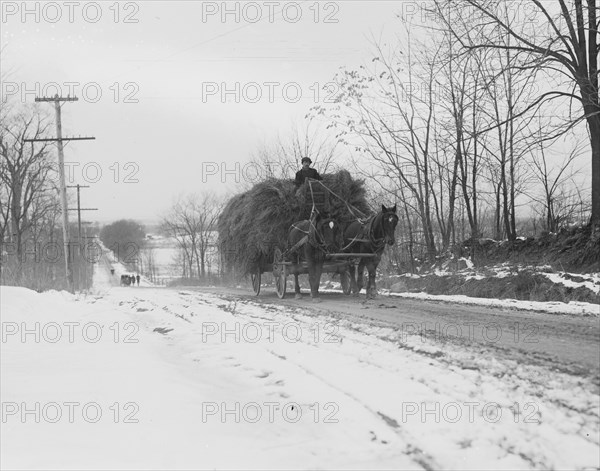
(468, 262)
(592, 282)
(575, 308)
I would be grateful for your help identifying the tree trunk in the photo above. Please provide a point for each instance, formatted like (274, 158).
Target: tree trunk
(203, 245)
(427, 226)
(451, 203)
(505, 205)
(497, 212)
(594, 128)
(199, 273)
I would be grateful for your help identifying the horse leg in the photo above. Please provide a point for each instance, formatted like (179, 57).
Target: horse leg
(371, 288)
(318, 271)
(352, 273)
(359, 278)
(297, 287)
(315, 266)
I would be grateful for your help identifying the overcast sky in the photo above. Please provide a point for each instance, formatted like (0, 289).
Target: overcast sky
(151, 77)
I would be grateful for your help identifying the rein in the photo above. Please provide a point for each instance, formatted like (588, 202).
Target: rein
(348, 205)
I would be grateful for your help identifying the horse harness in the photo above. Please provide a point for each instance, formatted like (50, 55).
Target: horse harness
(312, 236)
(377, 244)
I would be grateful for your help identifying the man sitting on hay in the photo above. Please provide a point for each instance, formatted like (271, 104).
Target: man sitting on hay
(306, 172)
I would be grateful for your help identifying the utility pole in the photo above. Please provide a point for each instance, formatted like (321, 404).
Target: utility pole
(86, 260)
(61, 171)
(79, 208)
(81, 244)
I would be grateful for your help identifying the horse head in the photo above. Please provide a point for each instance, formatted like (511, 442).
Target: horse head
(330, 234)
(389, 220)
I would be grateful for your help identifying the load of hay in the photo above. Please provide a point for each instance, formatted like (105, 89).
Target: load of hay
(256, 222)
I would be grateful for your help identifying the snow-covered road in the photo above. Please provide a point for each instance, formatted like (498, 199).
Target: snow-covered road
(156, 378)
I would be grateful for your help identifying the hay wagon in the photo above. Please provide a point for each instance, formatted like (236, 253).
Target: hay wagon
(253, 226)
(282, 266)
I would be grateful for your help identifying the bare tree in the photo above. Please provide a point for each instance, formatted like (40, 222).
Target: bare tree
(25, 176)
(562, 41)
(428, 121)
(191, 221)
(388, 113)
(416, 115)
(281, 158)
(148, 261)
(461, 75)
(553, 180)
(506, 92)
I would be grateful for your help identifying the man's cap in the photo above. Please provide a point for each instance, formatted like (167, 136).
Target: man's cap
(306, 159)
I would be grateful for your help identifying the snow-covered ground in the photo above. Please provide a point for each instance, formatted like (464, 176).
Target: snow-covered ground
(151, 378)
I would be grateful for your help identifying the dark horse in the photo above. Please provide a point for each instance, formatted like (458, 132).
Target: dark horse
(313, 239)
(370, 237)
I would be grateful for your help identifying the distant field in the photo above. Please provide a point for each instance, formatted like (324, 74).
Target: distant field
(168, 260)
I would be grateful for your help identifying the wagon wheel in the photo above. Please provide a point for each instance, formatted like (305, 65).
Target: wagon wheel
(255, 278)
(346, 282)
(279, 273)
